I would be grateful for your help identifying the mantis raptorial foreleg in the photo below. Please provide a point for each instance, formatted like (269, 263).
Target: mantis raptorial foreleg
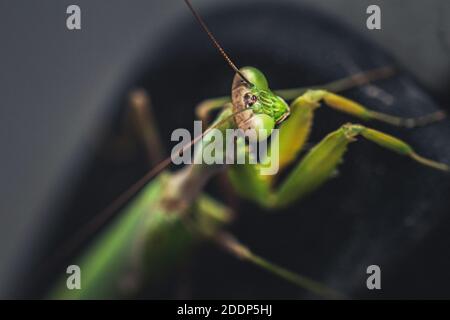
(321, 161)
(302, 109)
(318, 165)
(293, 134)
(355, 109)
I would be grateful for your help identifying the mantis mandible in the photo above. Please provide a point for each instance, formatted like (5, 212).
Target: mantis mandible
(159, 226)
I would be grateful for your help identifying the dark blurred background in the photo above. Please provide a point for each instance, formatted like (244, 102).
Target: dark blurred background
(63, 91)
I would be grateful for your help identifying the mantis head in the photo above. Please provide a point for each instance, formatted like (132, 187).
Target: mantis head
(265, 108)
(261, 99)
(250, 91)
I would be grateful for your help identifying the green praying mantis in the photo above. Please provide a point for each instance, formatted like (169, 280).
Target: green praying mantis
(165, 215)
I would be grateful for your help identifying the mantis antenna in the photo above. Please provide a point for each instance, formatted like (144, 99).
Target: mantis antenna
(215, 42)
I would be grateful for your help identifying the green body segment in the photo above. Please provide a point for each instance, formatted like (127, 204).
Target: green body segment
(107, 267)
(146, 244)
(387, 141)
(314, 169)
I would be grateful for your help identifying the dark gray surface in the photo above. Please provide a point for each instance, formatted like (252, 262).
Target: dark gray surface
(416, 32)
(57, 86)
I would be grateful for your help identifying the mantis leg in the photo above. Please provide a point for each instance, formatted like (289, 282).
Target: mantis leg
(320, 162)
(234, 247)
(211, 216)
(339, 85)
(145, 123)
(355, 109)
(302, 109)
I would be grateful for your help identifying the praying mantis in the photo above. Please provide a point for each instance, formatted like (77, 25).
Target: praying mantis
(171, 214)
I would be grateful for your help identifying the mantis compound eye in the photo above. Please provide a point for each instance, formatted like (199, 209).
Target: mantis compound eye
(250, 99)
